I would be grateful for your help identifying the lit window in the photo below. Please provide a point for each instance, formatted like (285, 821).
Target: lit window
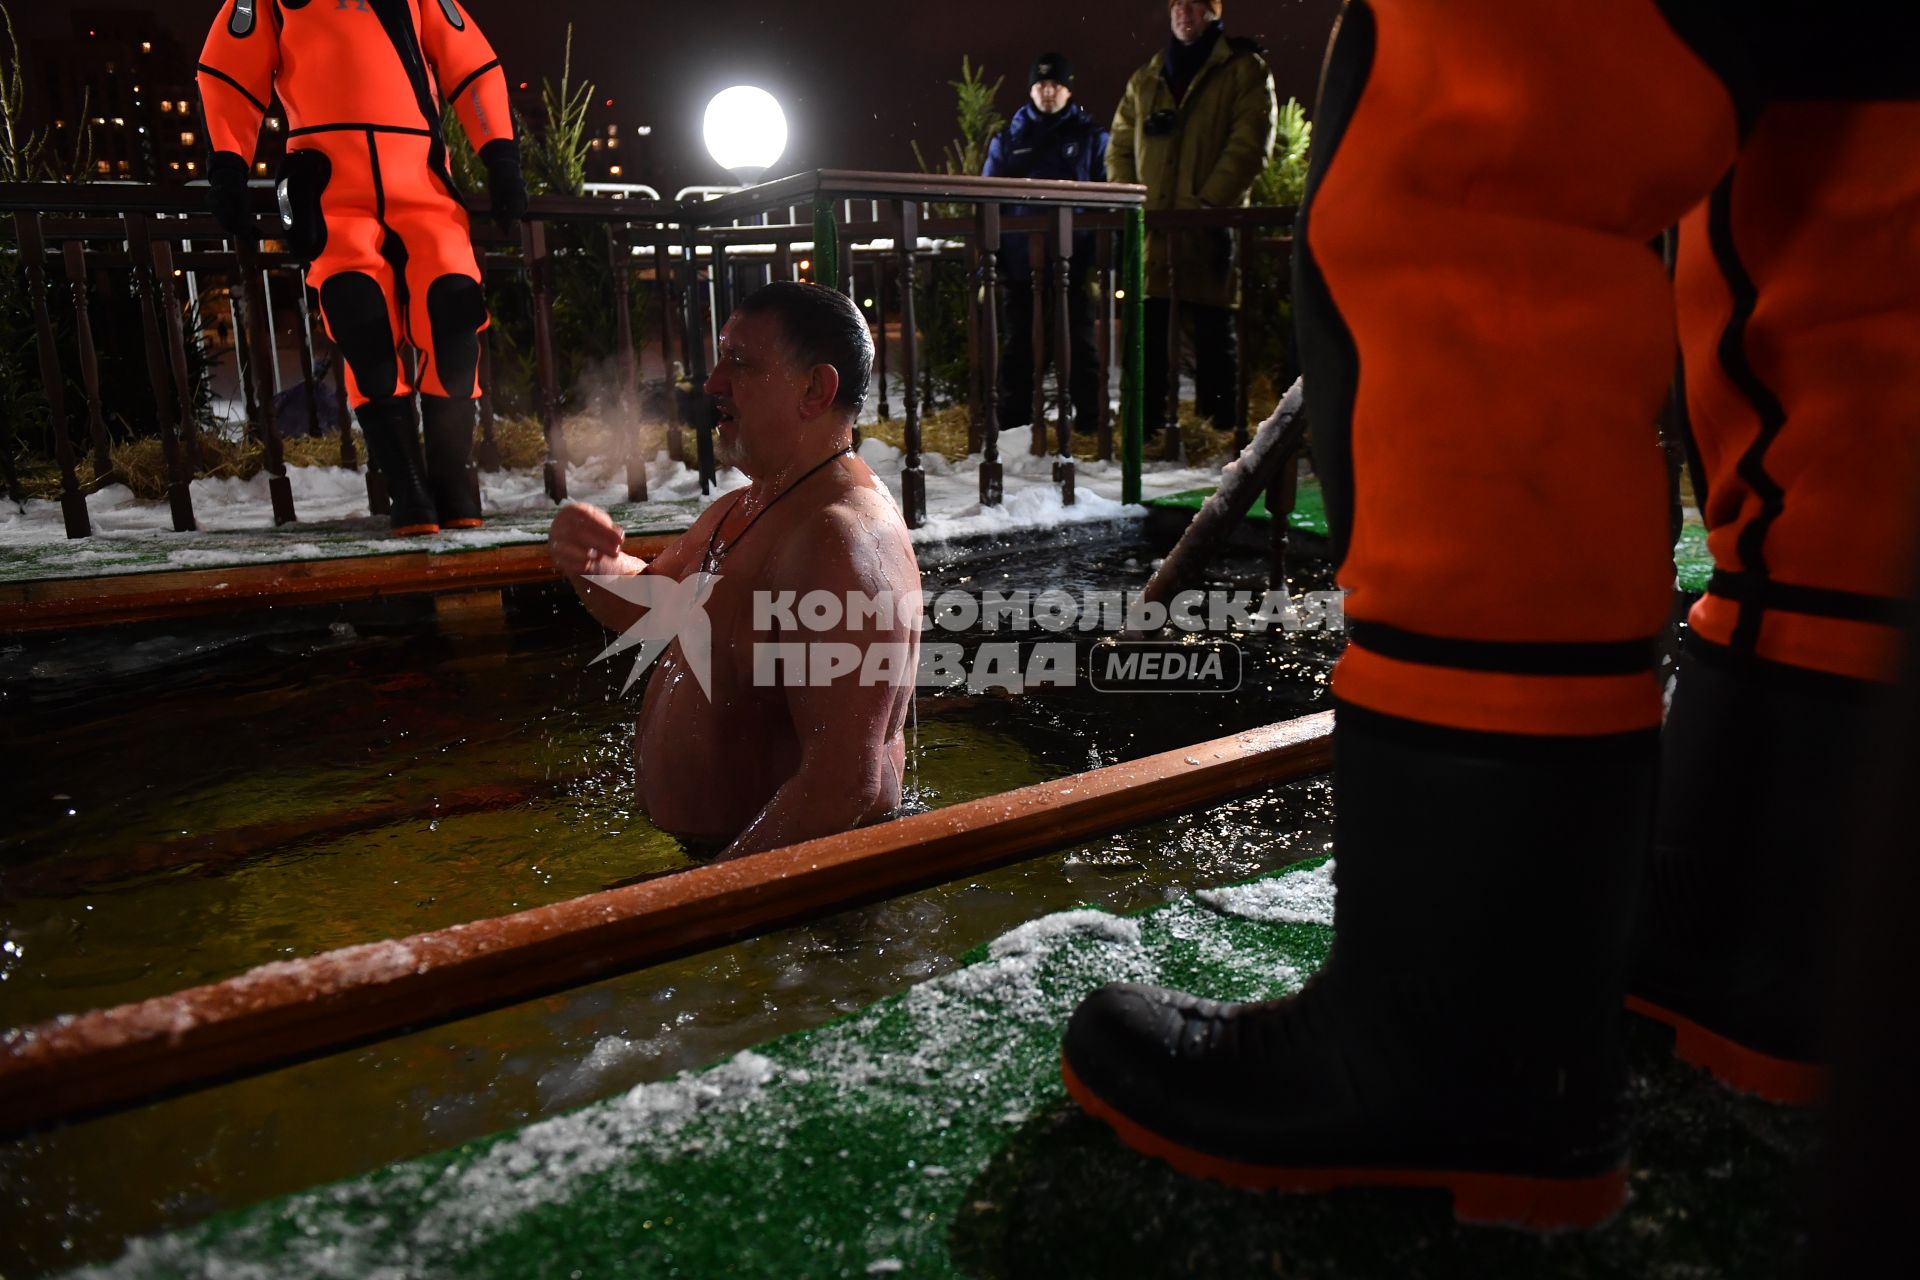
(614, 170)
(595, 144)
(104, 167)
(191, 166)
(182, 108)
(186, 139)
(166, 105)
(613, 144)
(99, 119)
(122, 166)
(146, 46)
(120, 121)
(59, 124)
(612, 129)
(273, 123)
(260, 167)
(175, 166)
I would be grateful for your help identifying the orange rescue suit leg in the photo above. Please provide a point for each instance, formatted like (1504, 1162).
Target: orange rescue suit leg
(1799, 299)
(1487, 340)
(396, 269)
(397, 266)
(1798, 288)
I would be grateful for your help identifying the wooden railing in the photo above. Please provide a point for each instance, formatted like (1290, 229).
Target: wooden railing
(695, 255)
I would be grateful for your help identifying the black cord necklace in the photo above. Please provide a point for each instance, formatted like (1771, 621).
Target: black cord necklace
(717, 550)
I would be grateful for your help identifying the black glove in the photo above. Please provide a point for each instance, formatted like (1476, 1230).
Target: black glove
(228, 197)
(304, 175)
(505, 187)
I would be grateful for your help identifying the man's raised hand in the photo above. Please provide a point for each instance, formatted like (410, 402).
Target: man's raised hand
(584, 540)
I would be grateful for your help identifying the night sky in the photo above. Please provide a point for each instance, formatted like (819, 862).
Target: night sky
(858, 87)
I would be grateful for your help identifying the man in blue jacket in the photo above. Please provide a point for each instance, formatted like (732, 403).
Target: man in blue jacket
(1049, 138)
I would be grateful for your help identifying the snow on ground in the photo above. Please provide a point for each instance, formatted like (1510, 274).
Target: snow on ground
(236, 526)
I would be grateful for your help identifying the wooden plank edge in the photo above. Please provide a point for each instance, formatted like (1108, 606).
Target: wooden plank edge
(57, 603)
(289, 1011)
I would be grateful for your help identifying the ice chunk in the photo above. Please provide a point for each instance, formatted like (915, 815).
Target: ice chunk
(1305, 897)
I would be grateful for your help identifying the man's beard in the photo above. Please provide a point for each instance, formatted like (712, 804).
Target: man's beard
(728, 453)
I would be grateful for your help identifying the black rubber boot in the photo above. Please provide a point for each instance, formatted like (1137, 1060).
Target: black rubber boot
(450, 470)
(1465, 1034)
(393, 442)
(1757, 773)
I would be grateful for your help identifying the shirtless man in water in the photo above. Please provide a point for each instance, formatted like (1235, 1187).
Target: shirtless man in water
(769, 762)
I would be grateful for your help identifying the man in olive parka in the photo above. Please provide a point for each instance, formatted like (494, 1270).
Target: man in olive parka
(1195, 125)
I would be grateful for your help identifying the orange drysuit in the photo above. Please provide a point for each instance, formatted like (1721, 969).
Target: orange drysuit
(1488, 340)
(1522, 842)
(365, 185)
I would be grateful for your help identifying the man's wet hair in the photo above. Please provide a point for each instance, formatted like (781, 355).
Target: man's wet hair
(822, 327)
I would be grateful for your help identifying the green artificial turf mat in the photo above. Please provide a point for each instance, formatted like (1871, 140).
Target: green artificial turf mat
(929, 1135)
(1308, 514)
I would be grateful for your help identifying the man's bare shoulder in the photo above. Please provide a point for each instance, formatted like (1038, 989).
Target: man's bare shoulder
(683, 555)
(856, 535)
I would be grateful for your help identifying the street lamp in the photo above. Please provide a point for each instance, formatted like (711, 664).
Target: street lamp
(745, 131)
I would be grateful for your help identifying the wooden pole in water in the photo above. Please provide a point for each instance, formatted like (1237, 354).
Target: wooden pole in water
(1242, 482)
(291, 1011)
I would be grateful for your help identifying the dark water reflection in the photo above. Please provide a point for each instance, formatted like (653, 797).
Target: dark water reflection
(486, 764)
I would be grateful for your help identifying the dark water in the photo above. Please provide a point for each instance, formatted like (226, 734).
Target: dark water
(189, 803)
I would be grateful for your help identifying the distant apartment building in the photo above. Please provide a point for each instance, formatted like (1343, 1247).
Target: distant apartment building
(119, 76)
(131, 84)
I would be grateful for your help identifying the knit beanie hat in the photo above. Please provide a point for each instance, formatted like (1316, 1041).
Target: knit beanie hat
(1215, 5)
(1051, 66)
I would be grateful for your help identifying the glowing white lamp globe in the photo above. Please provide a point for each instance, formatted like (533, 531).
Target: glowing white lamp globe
(745, 131)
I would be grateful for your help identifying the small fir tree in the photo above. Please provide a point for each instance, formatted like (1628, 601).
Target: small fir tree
(1284, 180)
(979, 119)
(556, 156)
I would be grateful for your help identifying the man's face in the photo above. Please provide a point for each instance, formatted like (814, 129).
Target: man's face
(756, 390)
(1050, 95)
(1190, 18)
